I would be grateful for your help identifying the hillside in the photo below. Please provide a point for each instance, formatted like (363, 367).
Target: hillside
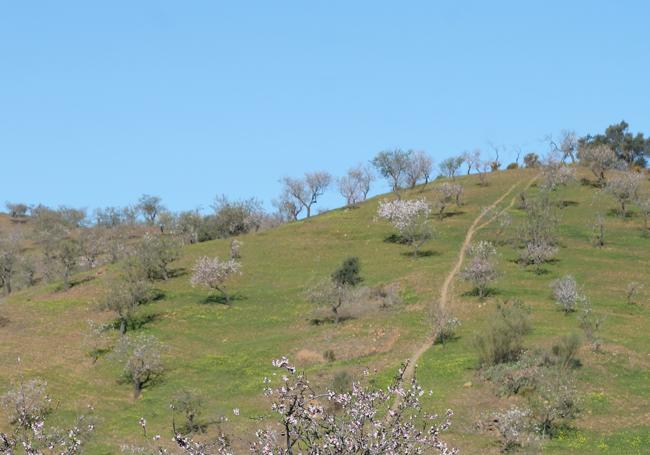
(225, 351)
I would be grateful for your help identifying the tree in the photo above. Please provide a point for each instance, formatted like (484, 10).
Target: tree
(155, 253)
(481, 269)
(472, 160)
(599, 158)
(141, 359)
(567, 146)
(189, 403)
(335, 421)
(537, 254)
(123, 297)
(644, 208)
(17, 210)
(305, 192)
(625, 188)
(288, 207)
(355, 185)
(632, 291)
(447, 193)
(212, 273)
(531, 160)
(590, 323)
(348, 273)
(630, 148)
(540, 225)
(296, 403)
(566, 293)
(555, 173)
(555, 399)
(150, 207)
(9, 260)
(67, 253)
(28, 407)
(92, 245)
(598, 231)
(233, 217)
(418, 168)
(450, 166)
(410, 218)
(393, 165)
(235, 246)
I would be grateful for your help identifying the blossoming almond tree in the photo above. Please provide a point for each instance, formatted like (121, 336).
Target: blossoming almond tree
(363, 421)
(410, 218)
(212, 273)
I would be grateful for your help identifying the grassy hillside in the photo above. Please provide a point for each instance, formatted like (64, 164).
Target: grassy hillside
(225, 351)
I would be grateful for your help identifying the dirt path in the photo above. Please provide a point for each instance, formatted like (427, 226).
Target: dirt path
(447, 285)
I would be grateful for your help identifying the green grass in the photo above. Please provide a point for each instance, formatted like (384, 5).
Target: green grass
(226, 351)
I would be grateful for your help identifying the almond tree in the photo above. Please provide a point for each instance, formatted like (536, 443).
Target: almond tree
(625, 188)
(212, 273)
(481, 269)
(27, 407)
(150, 207)
(410, 218)
(566, 293)
(447, 193)
(599, 158)
(141, 358)
(363, 421)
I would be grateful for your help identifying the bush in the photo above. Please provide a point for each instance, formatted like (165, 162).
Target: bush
(502, 340)
(512, 166)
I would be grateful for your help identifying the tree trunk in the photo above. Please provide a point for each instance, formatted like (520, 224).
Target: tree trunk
(122, 326)
(137, 388)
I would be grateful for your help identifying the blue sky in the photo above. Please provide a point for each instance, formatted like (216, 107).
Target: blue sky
(103, 101)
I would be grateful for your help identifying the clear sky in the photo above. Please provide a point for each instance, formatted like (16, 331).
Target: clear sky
(103, 101)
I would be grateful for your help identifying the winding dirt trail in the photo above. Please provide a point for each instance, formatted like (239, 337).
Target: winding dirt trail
(447, 285)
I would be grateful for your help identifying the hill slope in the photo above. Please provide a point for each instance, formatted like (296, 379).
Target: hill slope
(225, 351)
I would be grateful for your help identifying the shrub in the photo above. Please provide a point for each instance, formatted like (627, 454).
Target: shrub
(502, 339)
(512, 166)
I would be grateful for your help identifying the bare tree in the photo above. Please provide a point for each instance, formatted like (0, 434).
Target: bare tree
(305, 192)
(355, 185)
(644, 208)
(598, 231)
(150, 207)
(92, 245)
(418, 168)
(495, 164)
(566, 146)
(472, 160)
(141, 359)
(287, 206)
(393, 165)
(632, 291)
